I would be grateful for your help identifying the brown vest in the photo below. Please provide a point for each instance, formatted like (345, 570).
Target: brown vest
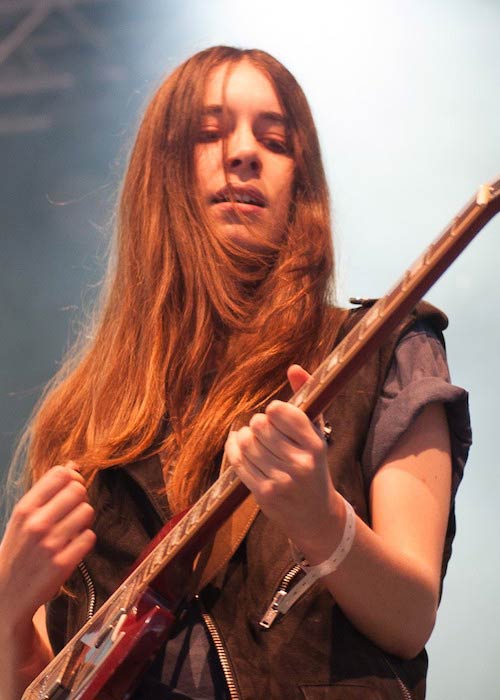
(312, 652)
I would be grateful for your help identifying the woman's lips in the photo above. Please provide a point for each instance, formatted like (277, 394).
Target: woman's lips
(239, 208)
(235, 212)
(236, 194)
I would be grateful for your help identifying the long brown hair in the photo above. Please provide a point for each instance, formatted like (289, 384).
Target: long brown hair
(177, 297)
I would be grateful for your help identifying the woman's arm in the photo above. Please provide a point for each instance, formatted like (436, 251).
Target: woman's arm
(388, 585)
(25, 653)
(46, 537)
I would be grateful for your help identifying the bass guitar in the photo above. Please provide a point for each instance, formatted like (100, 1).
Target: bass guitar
(107, 656)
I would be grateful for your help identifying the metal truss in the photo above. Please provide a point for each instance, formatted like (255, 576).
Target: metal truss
(38, 43)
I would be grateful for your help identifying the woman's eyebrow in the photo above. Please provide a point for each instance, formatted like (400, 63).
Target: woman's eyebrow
(212, 109)
(217, 110)
(274, 117)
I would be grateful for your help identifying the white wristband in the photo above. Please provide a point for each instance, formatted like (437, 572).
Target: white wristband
(313, 573)
(334, 560)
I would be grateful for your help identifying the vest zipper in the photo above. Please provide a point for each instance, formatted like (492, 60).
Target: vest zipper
(266, 622)
(273, 610)
(405, 692)
(221, 652)
(89, 587)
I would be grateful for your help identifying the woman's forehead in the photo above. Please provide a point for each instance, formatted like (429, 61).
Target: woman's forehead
(239, 86)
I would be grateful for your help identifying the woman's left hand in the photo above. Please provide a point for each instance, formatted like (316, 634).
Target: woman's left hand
(281, 457)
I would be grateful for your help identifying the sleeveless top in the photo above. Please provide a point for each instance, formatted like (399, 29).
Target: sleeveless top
(368, 418)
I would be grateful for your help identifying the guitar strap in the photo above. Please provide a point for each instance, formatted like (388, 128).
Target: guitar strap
(215, 556)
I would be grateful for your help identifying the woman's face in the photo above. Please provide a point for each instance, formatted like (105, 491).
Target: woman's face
(243, 163)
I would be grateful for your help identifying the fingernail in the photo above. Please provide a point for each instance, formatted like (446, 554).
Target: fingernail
(72, 465)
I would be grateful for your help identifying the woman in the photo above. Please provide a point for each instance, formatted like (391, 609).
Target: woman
(221, 283)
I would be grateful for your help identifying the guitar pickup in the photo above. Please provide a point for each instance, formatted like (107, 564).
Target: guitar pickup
(113, 629)
(57, 692)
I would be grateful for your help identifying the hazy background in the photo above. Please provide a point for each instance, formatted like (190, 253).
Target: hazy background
(406, 97)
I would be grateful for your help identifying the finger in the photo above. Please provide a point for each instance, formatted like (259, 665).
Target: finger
(248, 473)
(278, 445)
(75, 470)
(48, 485)
(71, 555)
(271, 462)
(297, 376)
(78, 520)
(293, 423)
(232, 449)
(236, 455)
(61, 504)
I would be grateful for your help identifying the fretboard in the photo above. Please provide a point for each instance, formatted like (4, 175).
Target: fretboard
(383, 317)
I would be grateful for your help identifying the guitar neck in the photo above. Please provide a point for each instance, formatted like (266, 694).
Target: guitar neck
(383, 317)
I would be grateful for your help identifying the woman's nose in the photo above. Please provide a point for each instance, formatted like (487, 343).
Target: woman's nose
(242, 152)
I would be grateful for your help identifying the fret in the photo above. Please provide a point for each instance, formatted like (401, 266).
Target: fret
(202, 505)
(160, 554)
(213, 493)
(323, 373)
(231, 476)
(175, 537)
(159, 557)
(180, 529)
(429, 254)
(437, 247)
(300, 396)
(485, 194)
(161, 549)
(334, 360)
(124, 597)
(393, 294)
(217, 489)
(357, 339)
(189, 520)
(405, 282)
(211, 497)
(454, 229)
(381, 307)
(148, 568)
(416, 267)
(350, 341)
(366, 323)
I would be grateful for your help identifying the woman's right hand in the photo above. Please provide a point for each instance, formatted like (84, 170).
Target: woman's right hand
(47, 536)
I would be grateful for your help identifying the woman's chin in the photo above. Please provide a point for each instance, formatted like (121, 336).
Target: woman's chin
(250, 238)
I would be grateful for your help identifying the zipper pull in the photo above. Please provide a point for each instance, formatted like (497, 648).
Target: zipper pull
(272, 612)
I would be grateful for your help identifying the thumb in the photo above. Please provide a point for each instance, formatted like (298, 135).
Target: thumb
(297, 376)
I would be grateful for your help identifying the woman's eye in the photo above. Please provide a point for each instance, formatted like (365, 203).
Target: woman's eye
(209, 135)
(275, 145)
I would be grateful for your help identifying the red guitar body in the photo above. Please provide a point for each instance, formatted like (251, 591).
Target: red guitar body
(109, 659)
(143, 634)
